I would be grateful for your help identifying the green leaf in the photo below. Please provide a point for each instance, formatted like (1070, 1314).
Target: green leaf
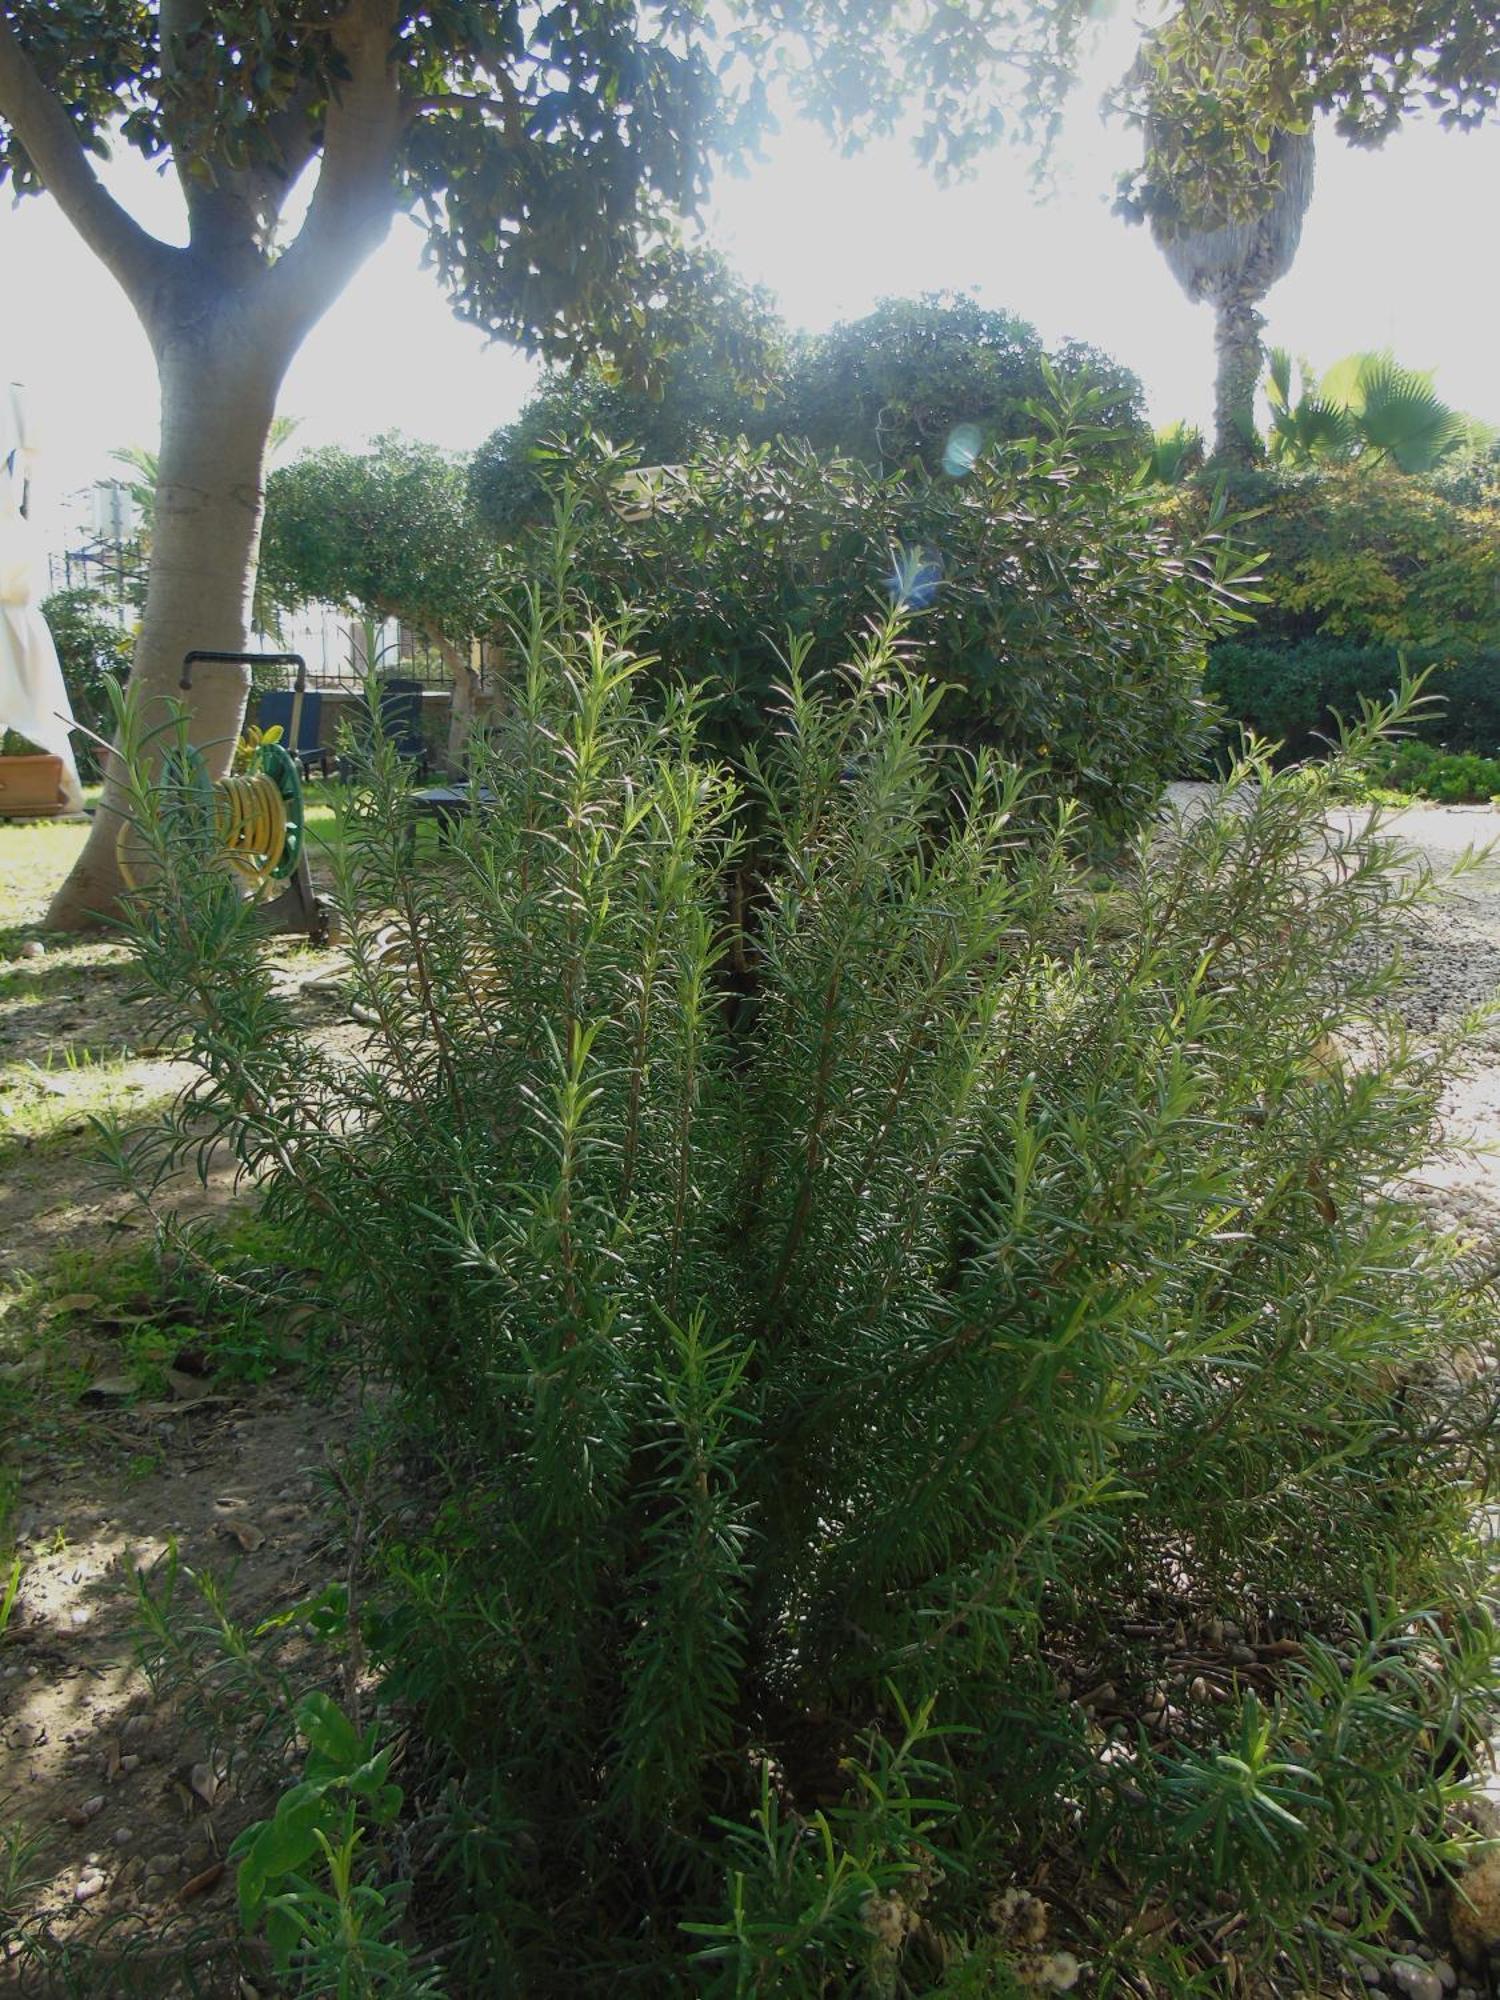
(329, 1731)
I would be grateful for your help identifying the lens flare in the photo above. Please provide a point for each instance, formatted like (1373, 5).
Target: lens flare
(914, 581)
(962, 449)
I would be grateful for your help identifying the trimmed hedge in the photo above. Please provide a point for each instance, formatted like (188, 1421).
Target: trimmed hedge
(1293, 690)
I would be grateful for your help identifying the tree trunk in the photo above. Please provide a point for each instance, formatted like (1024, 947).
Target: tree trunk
(1237, 330)
(472, 708)
(218, 400)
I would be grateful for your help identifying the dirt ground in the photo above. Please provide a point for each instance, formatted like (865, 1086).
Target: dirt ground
(117, 1804)
(120, 1799)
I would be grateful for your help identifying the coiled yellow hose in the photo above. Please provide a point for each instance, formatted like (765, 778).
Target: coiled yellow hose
(250, 825)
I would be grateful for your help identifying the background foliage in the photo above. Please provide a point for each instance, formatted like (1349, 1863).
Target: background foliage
(389, 531)
(894, 390)
(1362, 567)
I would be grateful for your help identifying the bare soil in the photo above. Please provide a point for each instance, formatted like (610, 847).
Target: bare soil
(117, 1806)
(135, 1802)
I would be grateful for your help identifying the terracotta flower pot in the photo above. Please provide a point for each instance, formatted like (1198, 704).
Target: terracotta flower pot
(30, 786)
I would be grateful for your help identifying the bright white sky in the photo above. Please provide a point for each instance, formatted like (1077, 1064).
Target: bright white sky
(1393, 254)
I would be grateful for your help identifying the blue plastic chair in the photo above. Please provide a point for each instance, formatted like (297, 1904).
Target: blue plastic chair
(275, 712)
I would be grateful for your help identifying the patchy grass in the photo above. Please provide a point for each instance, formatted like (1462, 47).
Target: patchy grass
(74, 1047)
(34, 857)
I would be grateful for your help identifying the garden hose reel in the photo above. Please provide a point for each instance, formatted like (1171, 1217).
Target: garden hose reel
(253, 821)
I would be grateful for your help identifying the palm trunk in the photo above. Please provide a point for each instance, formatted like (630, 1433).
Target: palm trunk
(217, 405)
(1237, 345)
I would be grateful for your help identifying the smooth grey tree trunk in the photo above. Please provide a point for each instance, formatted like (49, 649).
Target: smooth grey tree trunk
(225, 314)
(218, 400)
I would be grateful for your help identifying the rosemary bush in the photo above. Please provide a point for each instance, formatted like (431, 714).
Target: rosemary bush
(873, 1298)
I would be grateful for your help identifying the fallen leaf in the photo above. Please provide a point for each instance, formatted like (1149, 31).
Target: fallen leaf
(70, 1302)
(248, 1536)
(186, 1388)
(206, 1783)
(109, 1389)
(201, 1883)
(1281, 1649)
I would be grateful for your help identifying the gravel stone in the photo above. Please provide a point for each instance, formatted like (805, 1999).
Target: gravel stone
(1418, 1981)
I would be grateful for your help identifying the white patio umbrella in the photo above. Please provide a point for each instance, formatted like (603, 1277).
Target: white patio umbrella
(33, 698)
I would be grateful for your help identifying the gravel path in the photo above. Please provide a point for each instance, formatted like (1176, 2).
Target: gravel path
(1453, 952)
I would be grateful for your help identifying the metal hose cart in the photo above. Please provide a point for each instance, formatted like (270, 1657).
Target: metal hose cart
(255, 820)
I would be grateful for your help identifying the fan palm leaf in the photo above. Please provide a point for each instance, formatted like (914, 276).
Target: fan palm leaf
(1400, 417)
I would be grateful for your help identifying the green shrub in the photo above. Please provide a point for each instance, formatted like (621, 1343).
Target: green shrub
(92, 649)
(1068, 622)
(1361, 565)
(916, 385)
(1294, 690)
(1376, 555)
(1452, 777)
(868, 1299)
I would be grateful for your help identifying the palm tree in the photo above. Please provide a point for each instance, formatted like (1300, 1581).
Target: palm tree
(1176, 453)
(1367, 408)
(1233, 264)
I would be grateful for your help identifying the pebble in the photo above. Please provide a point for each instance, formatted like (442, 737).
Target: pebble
(1369, 1972)
(1242, 1656)
(33, 948)
(1446, 1973)
(122, 1836)
(88, 1887)
(1417, 1981)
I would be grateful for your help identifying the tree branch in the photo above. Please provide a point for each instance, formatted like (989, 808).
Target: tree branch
(355, 197)
(138, 260)
(232, 210)
(506, 106)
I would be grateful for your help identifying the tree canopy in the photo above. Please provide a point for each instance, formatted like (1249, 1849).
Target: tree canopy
(1217, 83)
(389, 530)
(922, 384)
(550, 151)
